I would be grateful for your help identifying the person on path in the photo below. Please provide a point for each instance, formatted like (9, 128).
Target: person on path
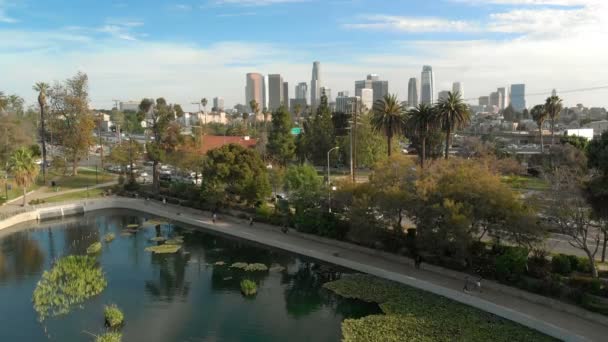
(250, 220)
(214, 217)
(418, 261)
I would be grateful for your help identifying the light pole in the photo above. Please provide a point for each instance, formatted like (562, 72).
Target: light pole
(328, 178)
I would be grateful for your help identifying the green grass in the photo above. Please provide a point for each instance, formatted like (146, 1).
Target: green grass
(415, 315)
(79, 195)
(526, 183)
(113, 316)
(83, 179)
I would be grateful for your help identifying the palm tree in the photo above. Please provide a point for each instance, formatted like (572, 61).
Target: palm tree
(421, 122)
(453, 114)
(539, 115)
(389, 117)
(204, 104)
(42, 89)
(553, 106)
(255, 108)
(3, 102)
(23, 167)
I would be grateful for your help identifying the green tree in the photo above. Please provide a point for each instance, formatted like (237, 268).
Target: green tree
(421, 122)
(281, 143)
(579, 142)
(42, 89)
(126, 154)
(453, 114)
(553, 107)
(597, 153)
(23, 167)
(233, 171)
(3, 102)
(14, 133)
(539, 115)
(303, 185)
(389, 117)
(255, 109)
(318, 137)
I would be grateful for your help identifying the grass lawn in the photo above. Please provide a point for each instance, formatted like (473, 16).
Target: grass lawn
(526, 183)
(15, 190)
(79, 195)
(84, 178)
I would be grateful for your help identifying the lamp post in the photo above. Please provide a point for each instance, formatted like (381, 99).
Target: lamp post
(328, 177)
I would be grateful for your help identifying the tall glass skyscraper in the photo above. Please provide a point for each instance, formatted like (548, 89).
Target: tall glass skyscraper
(518, 97)
(255, 89)
(427, 95)
(413, 92)
(315, 86)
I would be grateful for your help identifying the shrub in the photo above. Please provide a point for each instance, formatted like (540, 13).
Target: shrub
(113, 316)
(561, 264)
(586, 284)
(111, 336)
(538, 264)
(318, 221)
(248, 287)
(582, 265)
(132, 186)
(263, 212)
(511, 265)
(594, 304)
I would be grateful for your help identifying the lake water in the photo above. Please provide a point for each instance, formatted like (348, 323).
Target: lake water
(176, 297)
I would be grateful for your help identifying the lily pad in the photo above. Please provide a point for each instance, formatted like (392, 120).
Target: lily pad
(94, 248)
(132, 226)
(164, 249)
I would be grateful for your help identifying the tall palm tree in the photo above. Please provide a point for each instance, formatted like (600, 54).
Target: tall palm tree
(3, 102)
(204, 104)
(255, 108)
(421, 122)
(390, 117)
(42, 88)
(453, 114)
(539, 115)
(23, 167)
(553, 106)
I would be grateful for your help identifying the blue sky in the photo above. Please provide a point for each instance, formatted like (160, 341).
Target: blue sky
(189, 49)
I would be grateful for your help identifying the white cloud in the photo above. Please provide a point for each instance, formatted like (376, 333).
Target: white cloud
(413, 24)
(529, 2)
(5, 18)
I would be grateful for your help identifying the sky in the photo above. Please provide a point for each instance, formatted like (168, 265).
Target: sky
(191, 49)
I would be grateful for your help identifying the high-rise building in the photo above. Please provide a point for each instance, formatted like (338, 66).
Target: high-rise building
(285, 100)
(518, 97)
(427, 93)
(302, 91)
(554, 92)
(255, 90)
(413, 92)
(218, 104)
(275, 91)
(373, 82)
(484, 100)
(315, 85)
(442, 95)
(504, 97)
(367, 99)
(343, 102)
(495, 100)
(457, 87)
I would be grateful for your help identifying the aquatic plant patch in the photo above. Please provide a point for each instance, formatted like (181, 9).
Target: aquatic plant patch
(248, 287)
(110, 336)
(164, 249)
(109, 237)
(113, 316)
(94, 248)
(158, 239)
(256, 267)
(415, 315)
(71, 281)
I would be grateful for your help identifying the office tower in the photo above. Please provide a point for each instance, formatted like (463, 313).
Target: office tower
(504, 97)
(285, 100)
(343, 102)
(427, 93)
(315, 86)
(275, 91)
(302, 91)
(373, 82)
(255, 90)
(518, 97)
(484, 100)
(495, 101)
(442, 95)
(367, 99)
(218, 104)
(457, 87)
(327, 92)
(413, 92)
(554, 92)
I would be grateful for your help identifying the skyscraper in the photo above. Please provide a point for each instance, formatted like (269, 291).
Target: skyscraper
(315, 86)
(518, 97)
(427, 94)
(504, 96)
(218, 104)
(275, 91)
(413, 92)
(496, 101)
(285, 100)
(367, 99)
(457, 87)
(554, 92)
(372, 81)
(255, 89)
(302, 91)
(484, 100)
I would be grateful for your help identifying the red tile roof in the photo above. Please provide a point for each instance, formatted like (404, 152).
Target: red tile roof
(211, 142)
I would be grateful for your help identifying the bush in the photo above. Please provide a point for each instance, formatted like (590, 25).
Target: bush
(582, 264)
(511, 265)
(248, 287)
(586, 284)
(263, 212)
(561, 264)
(538, 264)
(318, 221)
(113, 316)
(132, 186)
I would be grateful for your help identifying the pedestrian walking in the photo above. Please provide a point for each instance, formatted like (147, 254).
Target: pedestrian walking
(418, 261)
(164, 201)
(250, 221)
(214, 217)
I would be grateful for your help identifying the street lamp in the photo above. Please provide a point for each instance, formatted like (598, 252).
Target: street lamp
(328, 178)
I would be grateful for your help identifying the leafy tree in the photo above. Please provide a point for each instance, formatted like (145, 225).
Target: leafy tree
(234, 171)
(3, 102)
(370, 147)
(539, 115)
(72, 119)
(318, 137)
(14, 133)
(597, 197)
(553, 107)
(23, 167)
(598, 154)
(509, 113)
(281, 143)
(389, 117)
(421, 122)
(303, 185)
(453, 114)
(126, 154)
(579, 142)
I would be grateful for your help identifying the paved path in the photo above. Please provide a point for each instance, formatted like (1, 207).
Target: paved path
(399, 269)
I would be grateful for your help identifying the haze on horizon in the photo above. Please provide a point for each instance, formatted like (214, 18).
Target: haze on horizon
(193, 49)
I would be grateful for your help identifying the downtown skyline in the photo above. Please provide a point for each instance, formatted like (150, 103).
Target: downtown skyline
(476, 44)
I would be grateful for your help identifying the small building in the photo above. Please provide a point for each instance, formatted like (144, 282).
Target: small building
(581, 132)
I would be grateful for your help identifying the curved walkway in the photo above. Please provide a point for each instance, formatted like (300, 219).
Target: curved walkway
(557, 319)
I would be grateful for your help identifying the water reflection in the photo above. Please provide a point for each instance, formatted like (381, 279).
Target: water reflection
(19, 256)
